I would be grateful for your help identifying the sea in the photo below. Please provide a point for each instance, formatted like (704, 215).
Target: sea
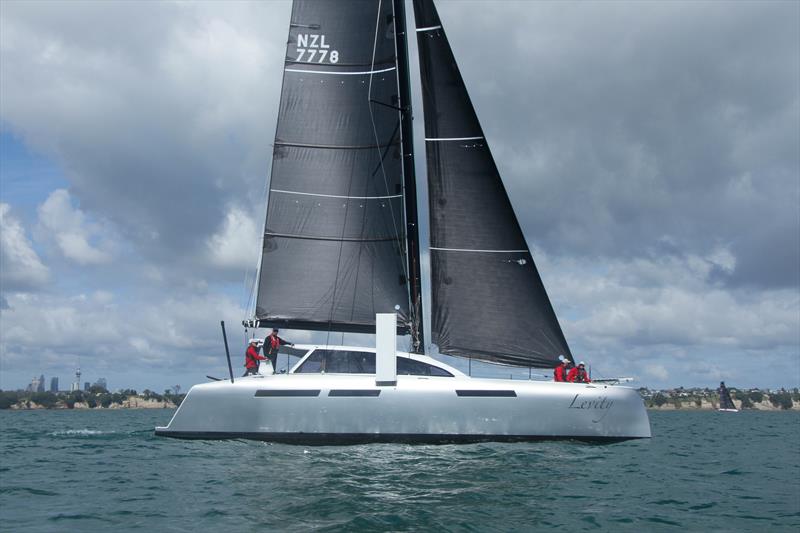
(104, 470)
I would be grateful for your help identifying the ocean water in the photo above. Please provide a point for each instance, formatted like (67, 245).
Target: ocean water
(105, 471)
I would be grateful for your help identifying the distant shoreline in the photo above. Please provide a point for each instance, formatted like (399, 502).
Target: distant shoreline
(82, 400)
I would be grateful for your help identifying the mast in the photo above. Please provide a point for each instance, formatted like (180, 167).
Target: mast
(409, 178)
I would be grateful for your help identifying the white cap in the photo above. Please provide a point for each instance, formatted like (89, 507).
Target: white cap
(255, 341)
(581, 364)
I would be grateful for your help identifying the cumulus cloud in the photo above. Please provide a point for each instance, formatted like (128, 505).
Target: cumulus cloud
(665, 316)
(161, 116)
(21, 268)
(237, 244)
(69, 228)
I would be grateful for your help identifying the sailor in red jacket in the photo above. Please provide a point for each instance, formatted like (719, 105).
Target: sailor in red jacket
(252, 358)
(560, 373)
(578, 374)
(272, 344)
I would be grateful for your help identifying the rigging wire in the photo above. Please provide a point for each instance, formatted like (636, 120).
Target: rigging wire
(401, 247)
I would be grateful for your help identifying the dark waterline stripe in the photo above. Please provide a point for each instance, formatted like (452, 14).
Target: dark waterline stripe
(355, 392)
(272, 393)
(487, 393)
(327, 439)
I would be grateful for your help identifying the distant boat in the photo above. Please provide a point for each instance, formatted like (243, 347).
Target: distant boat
(341, 253)
(725, 400)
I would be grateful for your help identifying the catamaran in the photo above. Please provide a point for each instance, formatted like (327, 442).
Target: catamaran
(341, 253)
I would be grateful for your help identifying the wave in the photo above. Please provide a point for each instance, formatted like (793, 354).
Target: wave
(80, 433)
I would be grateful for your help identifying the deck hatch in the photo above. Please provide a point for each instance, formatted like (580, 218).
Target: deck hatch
(488, 393)
(355, 392)
(272, 393)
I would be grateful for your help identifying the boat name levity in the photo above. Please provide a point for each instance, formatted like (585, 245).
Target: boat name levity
(312, 48)
(600, 402)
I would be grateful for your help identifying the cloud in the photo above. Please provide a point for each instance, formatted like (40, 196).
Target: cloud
(658, 372)
(632, 122)
(237, 244)
(21, 269)
(69, 228)
(667, 317)
(161, 116)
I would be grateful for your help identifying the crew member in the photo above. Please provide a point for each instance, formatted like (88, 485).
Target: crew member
(578, 374)
(252, 358)
(560, 373)
(272, 344)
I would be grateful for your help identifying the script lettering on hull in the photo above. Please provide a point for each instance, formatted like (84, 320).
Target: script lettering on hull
(601, 404)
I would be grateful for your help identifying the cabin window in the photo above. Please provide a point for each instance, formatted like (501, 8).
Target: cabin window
(338, 362)
(411, 367)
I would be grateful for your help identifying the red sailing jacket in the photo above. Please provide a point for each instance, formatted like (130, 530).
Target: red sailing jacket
(558, 373)
(251, 357)
(272, 344)
(578, 375)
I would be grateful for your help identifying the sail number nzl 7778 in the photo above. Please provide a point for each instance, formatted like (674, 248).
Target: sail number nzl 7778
(312, 48)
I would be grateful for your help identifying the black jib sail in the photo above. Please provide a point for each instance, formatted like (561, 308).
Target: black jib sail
(488, 299)
(334, 250)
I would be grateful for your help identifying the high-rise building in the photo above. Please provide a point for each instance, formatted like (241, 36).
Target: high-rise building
(53, 384)
(86, 385)
(40, 388)
(76, 385)
(35, 383)
(101, 382)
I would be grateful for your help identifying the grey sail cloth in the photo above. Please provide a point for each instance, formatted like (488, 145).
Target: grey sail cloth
(488, 299)
(334, 243)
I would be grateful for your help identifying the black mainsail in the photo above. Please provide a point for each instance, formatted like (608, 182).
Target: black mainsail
(335, 249)
(487, 296)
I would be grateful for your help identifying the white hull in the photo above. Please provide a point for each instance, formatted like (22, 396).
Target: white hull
(728, 410)
(328, 409)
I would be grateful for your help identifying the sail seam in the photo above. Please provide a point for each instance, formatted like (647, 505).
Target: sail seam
(477, 251)
(338, 196)
(453, 138)
(334, 146)
(335, 239)
(359, 73)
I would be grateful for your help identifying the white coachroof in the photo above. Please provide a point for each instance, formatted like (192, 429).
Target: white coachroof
(307, 348)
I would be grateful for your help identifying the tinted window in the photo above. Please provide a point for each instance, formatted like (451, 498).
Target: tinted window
(410, 367)
(338, 362)
(312, 365)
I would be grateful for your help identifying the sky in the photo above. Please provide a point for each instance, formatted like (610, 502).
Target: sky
(651, 151)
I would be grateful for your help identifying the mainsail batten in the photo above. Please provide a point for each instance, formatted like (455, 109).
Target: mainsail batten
(487, 296)
(334, 251)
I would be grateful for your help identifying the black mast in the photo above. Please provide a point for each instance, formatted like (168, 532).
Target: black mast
(409, 178)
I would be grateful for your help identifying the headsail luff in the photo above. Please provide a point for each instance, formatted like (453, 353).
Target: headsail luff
(488, 298)
(334, 246)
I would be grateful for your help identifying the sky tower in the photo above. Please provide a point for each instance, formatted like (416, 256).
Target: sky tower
(77, 384)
